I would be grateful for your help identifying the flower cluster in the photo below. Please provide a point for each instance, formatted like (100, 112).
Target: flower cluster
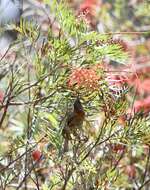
(88, 6)
(83, 77)
(88, 9)
(140, 78)
(117, 83)
(142, 105)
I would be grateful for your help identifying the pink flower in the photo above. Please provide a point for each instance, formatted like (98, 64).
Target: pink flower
(131, 171)
(1, 96)
(88, 9)
(142, 105)
(144, 86)
(88, 5)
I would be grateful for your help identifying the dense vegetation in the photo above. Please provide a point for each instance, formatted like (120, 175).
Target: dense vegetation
(94, 53)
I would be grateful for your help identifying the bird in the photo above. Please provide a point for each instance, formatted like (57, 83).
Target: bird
(74, 123)
(10, 13)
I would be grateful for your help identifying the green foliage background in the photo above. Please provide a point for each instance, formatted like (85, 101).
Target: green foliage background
(38, 99)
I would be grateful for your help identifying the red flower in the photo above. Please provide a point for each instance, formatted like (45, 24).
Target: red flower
(116, 147)
(81, 77)
(130, 171)
(36, 155)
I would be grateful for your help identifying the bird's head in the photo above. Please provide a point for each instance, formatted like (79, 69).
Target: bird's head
(78, 108)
